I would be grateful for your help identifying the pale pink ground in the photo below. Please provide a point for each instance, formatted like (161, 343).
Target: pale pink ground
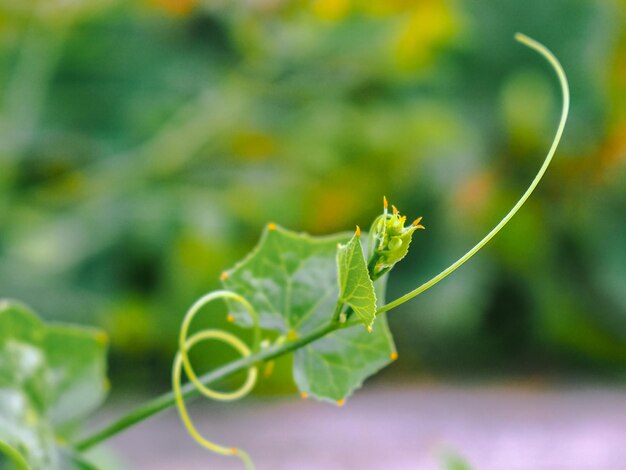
(399, 427)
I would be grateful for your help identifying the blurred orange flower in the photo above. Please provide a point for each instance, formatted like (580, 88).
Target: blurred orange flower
(176, 7)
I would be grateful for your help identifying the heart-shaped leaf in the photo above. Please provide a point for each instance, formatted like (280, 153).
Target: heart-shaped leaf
(336, 365)
(291, 280)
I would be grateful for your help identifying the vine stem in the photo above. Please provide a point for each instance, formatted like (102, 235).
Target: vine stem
(557, 138)
(168, 400)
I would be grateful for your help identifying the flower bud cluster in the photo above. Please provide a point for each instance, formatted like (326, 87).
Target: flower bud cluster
(389, 240)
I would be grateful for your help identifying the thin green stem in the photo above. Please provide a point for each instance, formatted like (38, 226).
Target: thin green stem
(168, 400)
(338, 308)
(564, 112)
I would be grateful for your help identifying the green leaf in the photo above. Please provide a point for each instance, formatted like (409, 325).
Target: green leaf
(291, 279)
(50, 376)
(355, 286)
(336, 365)
(324, 369)
(77, 363)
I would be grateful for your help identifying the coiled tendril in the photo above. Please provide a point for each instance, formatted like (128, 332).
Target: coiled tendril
(182, 362)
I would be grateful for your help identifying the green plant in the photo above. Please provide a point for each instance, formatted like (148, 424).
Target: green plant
(321, 298)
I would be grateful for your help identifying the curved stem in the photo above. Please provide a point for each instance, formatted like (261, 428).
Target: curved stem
(557, 137)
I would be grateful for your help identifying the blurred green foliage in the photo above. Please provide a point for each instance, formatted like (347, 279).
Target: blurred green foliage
(144, 144)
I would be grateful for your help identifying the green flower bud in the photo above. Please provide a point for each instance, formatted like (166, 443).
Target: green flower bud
(389, 240)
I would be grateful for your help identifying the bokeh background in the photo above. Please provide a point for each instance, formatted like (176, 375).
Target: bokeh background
(144, 144)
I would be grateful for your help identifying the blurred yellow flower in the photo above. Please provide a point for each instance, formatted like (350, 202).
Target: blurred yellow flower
(385, 7)
(331, 10)
(253, 145)
(431, 22)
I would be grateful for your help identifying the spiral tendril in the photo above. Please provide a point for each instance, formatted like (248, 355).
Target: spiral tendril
(182, 362)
